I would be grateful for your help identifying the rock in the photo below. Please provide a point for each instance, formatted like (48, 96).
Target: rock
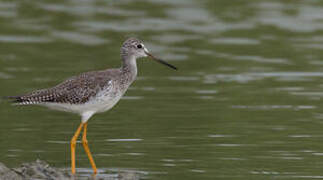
(129, 176)
(8, 174)
(40, 170)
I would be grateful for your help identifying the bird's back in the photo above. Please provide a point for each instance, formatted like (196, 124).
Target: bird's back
(75, 90)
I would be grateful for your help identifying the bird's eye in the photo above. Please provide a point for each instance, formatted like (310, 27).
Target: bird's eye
(139, 46)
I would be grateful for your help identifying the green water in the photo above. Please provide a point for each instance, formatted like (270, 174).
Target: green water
(245, 103)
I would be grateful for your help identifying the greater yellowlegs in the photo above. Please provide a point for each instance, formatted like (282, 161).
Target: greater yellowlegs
(91, 92)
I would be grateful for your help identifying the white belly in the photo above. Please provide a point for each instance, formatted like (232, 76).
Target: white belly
(95, 105)
(102, 102)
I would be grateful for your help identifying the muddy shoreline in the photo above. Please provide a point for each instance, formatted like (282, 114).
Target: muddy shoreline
(41, 170)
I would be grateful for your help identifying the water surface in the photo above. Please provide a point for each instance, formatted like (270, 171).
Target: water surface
(245, 103)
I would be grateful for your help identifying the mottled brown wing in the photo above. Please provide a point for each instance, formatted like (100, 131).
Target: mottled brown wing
(75, 90)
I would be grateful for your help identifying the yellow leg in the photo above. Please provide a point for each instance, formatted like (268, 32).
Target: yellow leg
(87, 150)
(73, 145)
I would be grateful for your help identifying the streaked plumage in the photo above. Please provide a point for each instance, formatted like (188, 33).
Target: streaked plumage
(75, 90)
(91, 92)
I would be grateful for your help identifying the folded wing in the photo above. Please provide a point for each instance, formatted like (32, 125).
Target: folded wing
(76, 90)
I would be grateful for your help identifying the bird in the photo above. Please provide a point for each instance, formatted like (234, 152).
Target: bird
(91, 92)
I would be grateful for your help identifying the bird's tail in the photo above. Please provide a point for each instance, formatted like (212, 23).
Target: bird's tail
(15, 100)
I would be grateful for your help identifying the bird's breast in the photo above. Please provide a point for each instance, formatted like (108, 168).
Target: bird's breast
(106, 98)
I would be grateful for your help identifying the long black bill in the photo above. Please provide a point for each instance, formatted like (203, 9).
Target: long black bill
(161, 61)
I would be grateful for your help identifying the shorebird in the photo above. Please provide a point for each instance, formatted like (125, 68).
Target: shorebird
(91, 92)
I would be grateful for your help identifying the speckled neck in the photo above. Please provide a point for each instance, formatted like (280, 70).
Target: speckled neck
(129, 67)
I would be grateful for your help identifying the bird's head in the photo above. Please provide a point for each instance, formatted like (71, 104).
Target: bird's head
(136, 48)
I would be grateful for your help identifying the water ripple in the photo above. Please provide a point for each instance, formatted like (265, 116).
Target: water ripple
(253, 58)
(246, 77)
(24, 39)
(123, 140)
(266, 107)
(5, 76)
(81, 38)
(307, 18)
(236, 41)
